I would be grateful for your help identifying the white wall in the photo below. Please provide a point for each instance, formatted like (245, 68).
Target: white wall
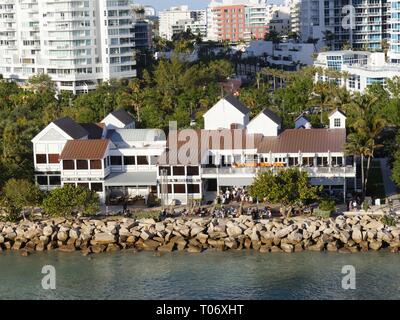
(222, 115)
(261, 124)
(337, 115)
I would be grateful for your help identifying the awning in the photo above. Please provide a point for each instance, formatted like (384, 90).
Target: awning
(131, 179)
(231, 182)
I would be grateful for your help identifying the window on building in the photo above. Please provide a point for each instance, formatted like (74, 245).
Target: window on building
(178, 171)
(55, 180)
(42, 180)
(54, 158)
(142, 160)
(179, 188)
(336, 122)
(192, 171)
(116, 160)
(322, 161)
(82, 164)
(293, 161)
(193, 188)
(68, 165)
(96, 186)
(129, 161)
(167, 169)
(41, 158)
(308, 161)
(95, 164)
(83, 185)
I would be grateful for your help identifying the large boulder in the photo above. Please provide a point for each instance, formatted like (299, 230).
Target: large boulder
(375, 224)
(47, 230)
(103, 238)
(196, 230)
(375, 245)
(285, 231)
(356, 235)
(234, 231)
(319, 246)
(150, 245)
(286, 247)
(62, 235)
(169, 247)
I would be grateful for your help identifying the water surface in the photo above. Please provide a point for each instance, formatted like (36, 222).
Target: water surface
(209, 275)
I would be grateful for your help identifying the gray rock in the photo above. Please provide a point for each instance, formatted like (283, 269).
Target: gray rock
(47, 231)
(103, 238)
(234, 231)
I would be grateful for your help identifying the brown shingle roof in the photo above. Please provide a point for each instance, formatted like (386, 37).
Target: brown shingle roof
(196, 149)
(307, 140)
(85, 149)
(289, 141)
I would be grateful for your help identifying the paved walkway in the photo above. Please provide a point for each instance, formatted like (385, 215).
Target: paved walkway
(390, 186)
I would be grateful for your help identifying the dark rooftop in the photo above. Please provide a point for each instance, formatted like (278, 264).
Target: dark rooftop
(71, 128)
(123, 116)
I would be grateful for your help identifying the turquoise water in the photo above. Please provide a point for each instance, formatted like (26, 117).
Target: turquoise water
(209, 275)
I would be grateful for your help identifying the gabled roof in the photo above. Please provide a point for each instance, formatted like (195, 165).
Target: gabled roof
(85, 149)
(95, 130)
(123, 116)
(237, 104)
(337, 110)
(270, 114)
(71, 128)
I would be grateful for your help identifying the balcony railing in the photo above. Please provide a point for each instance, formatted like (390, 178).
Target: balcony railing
(312, 171)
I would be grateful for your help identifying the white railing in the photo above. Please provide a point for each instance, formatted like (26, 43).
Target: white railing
(312, 171)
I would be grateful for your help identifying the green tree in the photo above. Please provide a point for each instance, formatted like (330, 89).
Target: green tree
(69, 199)
(18, 194)
(289, 187)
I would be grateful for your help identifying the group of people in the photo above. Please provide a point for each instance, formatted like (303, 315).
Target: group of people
(235, 194)
(223, 212)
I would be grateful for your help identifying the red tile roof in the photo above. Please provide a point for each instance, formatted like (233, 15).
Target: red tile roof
(85, 149)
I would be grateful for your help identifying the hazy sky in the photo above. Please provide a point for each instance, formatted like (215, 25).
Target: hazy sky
(193, 4)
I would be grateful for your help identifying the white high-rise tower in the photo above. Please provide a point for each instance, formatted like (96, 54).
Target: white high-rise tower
(77, 43)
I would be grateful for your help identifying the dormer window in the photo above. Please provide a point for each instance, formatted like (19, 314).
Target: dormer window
(336, 122)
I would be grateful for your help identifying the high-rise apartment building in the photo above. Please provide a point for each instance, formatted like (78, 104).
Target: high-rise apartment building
(331, 23)
(77, 43)
(237, 20)
(394, 31)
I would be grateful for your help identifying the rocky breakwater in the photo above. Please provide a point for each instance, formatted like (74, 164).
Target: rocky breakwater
(352, 234)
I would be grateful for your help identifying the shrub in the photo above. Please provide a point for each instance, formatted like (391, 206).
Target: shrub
(327, 205)
(146, 215)
(153, 201)
(62, 202)
(389, 221)
(17, 194)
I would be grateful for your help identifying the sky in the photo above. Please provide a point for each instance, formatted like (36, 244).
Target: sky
(165, 4)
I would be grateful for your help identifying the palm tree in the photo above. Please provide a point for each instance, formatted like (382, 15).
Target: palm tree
(355, 146)
(368, 126)
(329, 36)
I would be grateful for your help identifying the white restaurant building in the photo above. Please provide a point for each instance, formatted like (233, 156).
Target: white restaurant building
(120, 162)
